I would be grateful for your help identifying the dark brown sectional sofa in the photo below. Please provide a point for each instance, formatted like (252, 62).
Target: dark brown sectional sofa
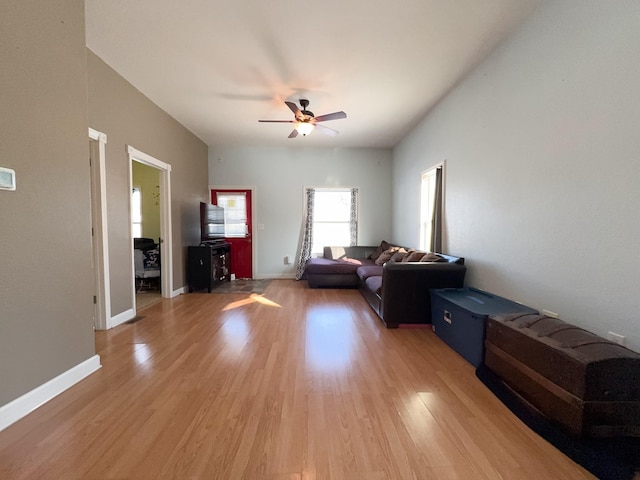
(395, 287)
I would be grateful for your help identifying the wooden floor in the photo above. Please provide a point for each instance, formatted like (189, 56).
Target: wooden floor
(294, 384)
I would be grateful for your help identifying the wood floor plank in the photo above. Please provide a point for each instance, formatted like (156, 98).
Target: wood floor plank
(295, 384)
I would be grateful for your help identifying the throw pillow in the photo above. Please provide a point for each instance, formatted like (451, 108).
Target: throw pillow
(409, 252)
(381, 248)
(386, 255)
(432, 257)
(415, 256)
(399, 255)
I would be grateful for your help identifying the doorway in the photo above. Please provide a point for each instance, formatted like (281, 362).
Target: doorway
(145, 230)
(238, 219)
(99, 232)
(161, 174)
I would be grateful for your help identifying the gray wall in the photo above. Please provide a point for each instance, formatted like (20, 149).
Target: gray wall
(129, 118)
(280, 175)
(46, 282)
(541, 146)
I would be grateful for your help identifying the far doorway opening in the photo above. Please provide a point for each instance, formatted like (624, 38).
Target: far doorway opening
(145, 229)
(237, 204)
(154, 195)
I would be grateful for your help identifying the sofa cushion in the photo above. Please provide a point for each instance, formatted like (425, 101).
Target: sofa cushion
(399, 255)
(384, 245)
(409, 252)
(326, 266)
(374, 283)
(432, 257)
(367, 271)
(414, 256)
(386, 255)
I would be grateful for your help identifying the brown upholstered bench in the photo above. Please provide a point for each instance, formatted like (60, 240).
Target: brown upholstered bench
(586, 384)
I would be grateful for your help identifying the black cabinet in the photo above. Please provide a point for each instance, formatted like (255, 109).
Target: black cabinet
(207, 265)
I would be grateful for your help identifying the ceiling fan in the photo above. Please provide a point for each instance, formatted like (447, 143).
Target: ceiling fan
(305, 121)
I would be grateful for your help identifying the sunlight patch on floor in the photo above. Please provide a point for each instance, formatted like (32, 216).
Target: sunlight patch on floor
(253, 298)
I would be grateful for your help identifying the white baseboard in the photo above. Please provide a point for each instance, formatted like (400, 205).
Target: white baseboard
(180, 291)
(275, 276)
(27, 403)
(121, 318)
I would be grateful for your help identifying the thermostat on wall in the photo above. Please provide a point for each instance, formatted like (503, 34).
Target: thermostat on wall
(7, 179)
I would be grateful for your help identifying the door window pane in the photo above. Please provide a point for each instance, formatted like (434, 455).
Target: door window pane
(235, 213)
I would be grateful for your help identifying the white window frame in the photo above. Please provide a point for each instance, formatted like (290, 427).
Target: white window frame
(318, 250)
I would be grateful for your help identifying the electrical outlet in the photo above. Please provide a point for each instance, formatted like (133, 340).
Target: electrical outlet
(550, 314)
(616, 337)
(286, 260)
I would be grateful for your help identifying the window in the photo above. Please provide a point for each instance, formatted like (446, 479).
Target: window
(431, 210)
(235, 213)
(330, 218)
(136, 212)
(334, 218)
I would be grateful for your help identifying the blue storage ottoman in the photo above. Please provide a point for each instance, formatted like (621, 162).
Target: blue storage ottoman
(458, 317)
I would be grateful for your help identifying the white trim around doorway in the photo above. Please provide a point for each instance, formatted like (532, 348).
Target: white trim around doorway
(97, 144)
(166, 244)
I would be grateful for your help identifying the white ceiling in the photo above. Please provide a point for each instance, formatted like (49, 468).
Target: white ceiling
(217, 66)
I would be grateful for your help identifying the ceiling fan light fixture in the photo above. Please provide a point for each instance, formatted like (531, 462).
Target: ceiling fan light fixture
(305, 122)
(304, 128)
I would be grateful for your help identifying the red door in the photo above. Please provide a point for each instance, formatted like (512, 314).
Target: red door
(237, 216)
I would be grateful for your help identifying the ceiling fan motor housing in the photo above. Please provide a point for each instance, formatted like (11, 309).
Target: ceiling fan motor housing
(304, 104)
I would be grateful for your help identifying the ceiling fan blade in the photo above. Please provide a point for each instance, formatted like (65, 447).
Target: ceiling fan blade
(293, 134)
(294, 108)
(330, 116)
(326, 130)
(277, 121)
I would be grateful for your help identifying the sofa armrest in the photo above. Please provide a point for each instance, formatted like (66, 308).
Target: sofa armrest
(357, 251)
(451, 258)
(405, 296)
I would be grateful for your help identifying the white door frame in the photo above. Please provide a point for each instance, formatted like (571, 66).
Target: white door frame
(166, 243)
(100, 237)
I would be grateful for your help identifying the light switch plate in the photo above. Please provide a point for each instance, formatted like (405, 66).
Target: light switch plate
(7, 179)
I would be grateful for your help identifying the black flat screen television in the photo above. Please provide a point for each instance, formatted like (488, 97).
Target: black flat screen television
(211, 222)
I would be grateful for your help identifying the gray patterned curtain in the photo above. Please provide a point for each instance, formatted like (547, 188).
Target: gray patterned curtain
(353, 222)
(307, 236)
(436, 219)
